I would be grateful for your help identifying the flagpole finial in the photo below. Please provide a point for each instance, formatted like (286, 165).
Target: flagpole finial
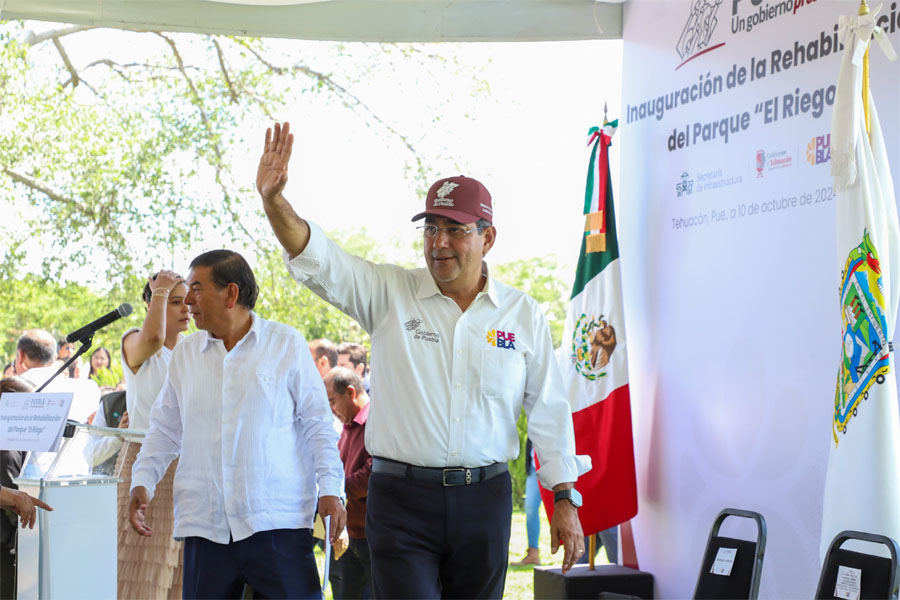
(605, 120)
(863, 8)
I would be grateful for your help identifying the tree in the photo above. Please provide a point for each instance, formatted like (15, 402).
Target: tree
(539, 277)
(284, 300)
(33, 303)
(120, 155)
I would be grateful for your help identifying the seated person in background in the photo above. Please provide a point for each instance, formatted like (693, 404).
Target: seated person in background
(9, 370)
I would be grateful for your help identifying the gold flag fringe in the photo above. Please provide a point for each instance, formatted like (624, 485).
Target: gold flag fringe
(595, 242)
(593, 221)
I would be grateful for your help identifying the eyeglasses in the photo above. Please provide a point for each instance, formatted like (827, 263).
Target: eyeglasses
(454, 231)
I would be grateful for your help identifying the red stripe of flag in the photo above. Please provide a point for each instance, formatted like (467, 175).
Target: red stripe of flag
(609, 489)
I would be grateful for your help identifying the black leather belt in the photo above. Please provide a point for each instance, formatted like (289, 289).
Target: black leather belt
(450, 476)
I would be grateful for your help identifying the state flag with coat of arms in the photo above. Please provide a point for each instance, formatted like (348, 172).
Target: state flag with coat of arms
(592, 357)
(862, 484)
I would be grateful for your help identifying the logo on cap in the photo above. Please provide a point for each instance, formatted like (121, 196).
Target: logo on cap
(442, 192)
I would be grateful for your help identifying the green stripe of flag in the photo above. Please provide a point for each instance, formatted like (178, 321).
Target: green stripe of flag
(591, 264)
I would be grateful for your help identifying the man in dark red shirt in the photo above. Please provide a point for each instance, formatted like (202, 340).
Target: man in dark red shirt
(350, 404)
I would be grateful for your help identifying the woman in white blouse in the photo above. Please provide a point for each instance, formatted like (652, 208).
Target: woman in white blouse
(150, 567)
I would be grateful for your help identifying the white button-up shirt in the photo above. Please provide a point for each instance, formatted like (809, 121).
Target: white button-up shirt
(254, 431)
(447, 385)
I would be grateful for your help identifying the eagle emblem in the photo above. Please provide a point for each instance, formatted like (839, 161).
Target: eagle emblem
(593, 343)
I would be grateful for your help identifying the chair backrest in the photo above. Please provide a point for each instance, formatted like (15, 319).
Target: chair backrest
(113, 405)
(880, 576)
(743, 582)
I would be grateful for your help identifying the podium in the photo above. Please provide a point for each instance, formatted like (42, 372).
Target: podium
(72, 550)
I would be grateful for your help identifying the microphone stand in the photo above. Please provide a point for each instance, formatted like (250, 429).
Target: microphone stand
(85, 346)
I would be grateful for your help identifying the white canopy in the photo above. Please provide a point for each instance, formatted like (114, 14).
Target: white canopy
(345, 20)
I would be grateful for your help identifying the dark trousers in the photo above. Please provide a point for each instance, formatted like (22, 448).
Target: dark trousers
(7, 571)
(431, 541)
(277, 564)
(356, 567)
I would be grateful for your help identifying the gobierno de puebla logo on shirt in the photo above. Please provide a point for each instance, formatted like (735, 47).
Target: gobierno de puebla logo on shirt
(501, 339)
(414, 326)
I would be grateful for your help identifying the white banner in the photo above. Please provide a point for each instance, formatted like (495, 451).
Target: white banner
(727, 222)
(33, 421)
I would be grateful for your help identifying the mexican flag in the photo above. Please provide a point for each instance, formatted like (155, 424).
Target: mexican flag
(592, 357)
(862, 485)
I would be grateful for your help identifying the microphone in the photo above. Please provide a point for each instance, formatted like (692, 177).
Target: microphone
(91, 328)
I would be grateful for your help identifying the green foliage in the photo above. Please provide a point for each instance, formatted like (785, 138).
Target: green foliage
(283, 299)
(517, 467)
(31, 302)
(118, 148)
(100, 170)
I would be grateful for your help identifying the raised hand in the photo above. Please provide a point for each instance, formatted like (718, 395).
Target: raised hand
(272, 173)
(165, 279)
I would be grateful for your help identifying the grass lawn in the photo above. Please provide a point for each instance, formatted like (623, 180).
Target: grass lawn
(519, 580)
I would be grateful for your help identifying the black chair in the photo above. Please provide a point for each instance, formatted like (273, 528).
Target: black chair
(880, 576)
(743, 582)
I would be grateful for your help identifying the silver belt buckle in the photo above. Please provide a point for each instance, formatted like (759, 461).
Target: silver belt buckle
(444, 472)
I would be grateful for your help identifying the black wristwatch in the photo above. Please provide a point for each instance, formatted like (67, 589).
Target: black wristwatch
(571, 494)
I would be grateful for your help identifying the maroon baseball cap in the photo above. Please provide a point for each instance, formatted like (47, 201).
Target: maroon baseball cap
(462, 199)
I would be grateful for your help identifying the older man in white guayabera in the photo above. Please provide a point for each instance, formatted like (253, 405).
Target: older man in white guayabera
(246, 412)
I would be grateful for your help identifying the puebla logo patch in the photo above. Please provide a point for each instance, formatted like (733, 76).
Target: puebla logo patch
(501, 339)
